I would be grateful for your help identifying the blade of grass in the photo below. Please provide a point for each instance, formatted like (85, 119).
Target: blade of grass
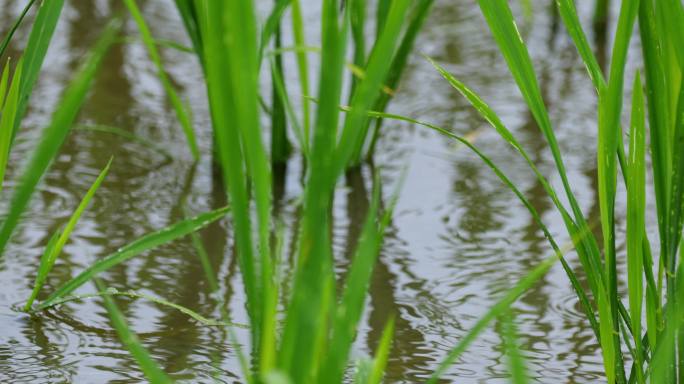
(658, 114)
(517, 366)
(281, 92)
(418, 16)
(381, 13)
(280, 145)
(9, 115)
(497, 310)
(382, 353)
(36, 48)
(142, 244)
(231, 27)
(355, 132)
(3, 83)
(157, 300)
(54, 134)
(505, 32)
(271, 26)
(229, 150)
(357, 13)
(52, 251)
(636, 203)
(311, 298)
(13, 29)
(181, 113)
(269, 339)
(501, 129)
(610, 107)
(351, 305)
(568, 13)
(302, 67)
(502, 24)
(663, 360)
(188, 13)
(148, 366)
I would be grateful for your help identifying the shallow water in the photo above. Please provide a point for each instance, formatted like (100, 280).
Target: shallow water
(458, 241)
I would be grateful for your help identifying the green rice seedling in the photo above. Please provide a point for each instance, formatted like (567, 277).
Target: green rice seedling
(142, 244)
(497, 310)
(296, 354)
(372, 370)
(181, 110)
(238, 141)
(149, 367)
(302, 69)
(55, 133)
(60, 238)
(157, 300)
(188, 12)
(418, 15)
(663, 89)
(382, 354)
(517, 363)
(8, 106)
(284, 100)
(25, 75)
(6, 41)
(367, 91)
(34, 53)
(280, 145)
(397, 44)
(636, 187)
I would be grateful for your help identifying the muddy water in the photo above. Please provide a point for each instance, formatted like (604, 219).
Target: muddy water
(458, 241)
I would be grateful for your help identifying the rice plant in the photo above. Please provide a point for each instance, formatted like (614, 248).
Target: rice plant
(616, 327)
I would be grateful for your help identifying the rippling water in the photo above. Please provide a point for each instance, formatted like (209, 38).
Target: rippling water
(458, 241)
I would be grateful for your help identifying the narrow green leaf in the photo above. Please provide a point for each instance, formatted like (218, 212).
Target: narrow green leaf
(636, 205)
(181, 112)
(142, 244)
(382, 354)
(280, 144)
(188, 12)
(610, 108)
(149, 367)
(9, 115)
(281, 93)
(505, 32)
(272, 25)
(302, 68)
(350, 308)
(354, 134)
(157, 300)
(568, 13)
(15, 25)
(311, 296)
(34, 54)
(516, 361)
(499, 308)
(418, 16)
(232, 81)
(52, 251)
(54, 134)
(3, 83)
(488, 114)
